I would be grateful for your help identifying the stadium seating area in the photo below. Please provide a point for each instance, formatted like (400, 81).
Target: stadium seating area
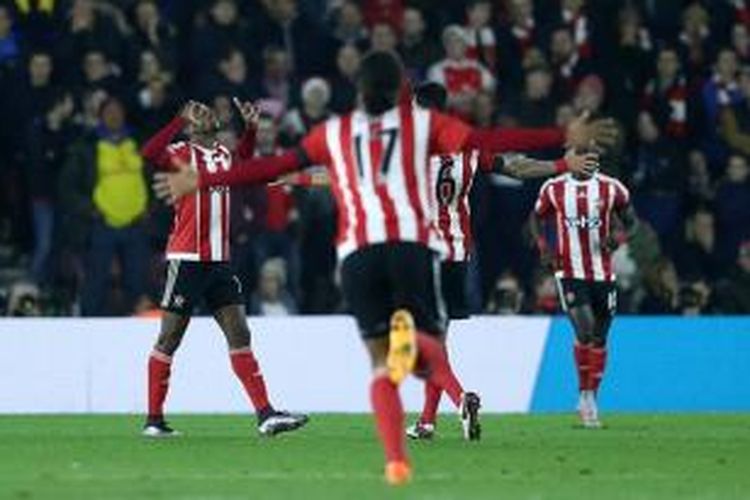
(83, 83)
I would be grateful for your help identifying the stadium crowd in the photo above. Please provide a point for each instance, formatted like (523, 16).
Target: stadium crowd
(84, 83)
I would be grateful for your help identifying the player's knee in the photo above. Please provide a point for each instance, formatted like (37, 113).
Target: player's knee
(238, 338)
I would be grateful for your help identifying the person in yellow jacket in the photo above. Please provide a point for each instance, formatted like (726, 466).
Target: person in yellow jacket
(107, 195)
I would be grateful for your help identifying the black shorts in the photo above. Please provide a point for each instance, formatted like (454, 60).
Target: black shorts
(379, 279)
(600, 295)
(188, 282)
(453, 277)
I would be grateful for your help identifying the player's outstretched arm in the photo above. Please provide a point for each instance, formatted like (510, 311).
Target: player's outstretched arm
(523, 167)
(581, 133)
(171, 186)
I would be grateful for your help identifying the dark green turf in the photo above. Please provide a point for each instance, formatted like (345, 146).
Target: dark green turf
(643, 456)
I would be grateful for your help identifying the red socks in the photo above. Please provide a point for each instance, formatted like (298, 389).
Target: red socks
(434, 363)
(432, 395)
(581, 354)
(246, 368)
(159, 368)
(597, 362)
(389, 415)
(590, 362)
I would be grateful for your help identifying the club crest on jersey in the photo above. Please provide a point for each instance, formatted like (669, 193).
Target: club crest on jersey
(178, 301)
(583, 222)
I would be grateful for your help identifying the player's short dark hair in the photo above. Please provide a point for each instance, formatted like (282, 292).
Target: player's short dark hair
(432, 95)
(379, 80)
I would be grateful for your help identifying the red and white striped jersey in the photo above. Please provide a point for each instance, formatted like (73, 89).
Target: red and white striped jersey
(200, 230)
(583, 210)
(380, 175)
(454, 176)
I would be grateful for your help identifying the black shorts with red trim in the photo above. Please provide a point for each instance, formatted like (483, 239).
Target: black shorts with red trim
(379, 279)
(600, 295)
(453, 276)
(188, 283)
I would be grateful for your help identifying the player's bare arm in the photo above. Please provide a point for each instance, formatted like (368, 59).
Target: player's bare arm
(523, 167)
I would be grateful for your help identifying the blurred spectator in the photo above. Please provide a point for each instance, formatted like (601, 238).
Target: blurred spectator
(695, 40)
(463, 78)
(92, 27)
(733, 292)
(566, 59)
(573, 16)
(741, 43)
(662, 290)
(418, 50)
(667, 96)
(659, 178)
(154, 34)
(634, 61)
(10, 42)
(383, 38)
(383, 11)
(23, 300)
(343, 84)
(232, 78)
(721, 90)
(348, 26)
(545, 295)
(272, 297)
(697, 257)
(699, 187)
(479, 34)
(277, 83)
(735, 118)
(695, 298)
(316, 96)
(536, 105)
(516, 38)
(104, 188)
(48, 140)
(733, 208)
(507, 297)
(308, 51)
(221, 33)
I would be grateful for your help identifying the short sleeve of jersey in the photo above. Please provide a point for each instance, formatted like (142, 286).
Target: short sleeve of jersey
(544, 201)
(622, 195)
(448, 135)
(179, 150)
(315, 145)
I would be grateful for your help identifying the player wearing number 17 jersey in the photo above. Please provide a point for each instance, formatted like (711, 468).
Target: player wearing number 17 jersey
(583, 209)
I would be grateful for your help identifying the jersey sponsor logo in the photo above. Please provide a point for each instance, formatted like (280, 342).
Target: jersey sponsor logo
(178, 301)
(583, 222)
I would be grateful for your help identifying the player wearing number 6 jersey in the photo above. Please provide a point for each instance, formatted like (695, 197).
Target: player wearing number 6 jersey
(584, 208)
(454, 175)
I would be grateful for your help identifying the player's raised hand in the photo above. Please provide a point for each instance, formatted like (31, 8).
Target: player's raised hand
(250, 112)
(583, 131)
(582, 163)
(171, 186)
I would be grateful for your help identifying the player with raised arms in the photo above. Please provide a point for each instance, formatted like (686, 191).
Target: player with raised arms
(584, 207)
(198, 266)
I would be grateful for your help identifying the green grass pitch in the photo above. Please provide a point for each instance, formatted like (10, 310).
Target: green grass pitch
(337, 456)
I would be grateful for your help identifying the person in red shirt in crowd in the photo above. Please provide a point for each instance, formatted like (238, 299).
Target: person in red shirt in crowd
(461, 76)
